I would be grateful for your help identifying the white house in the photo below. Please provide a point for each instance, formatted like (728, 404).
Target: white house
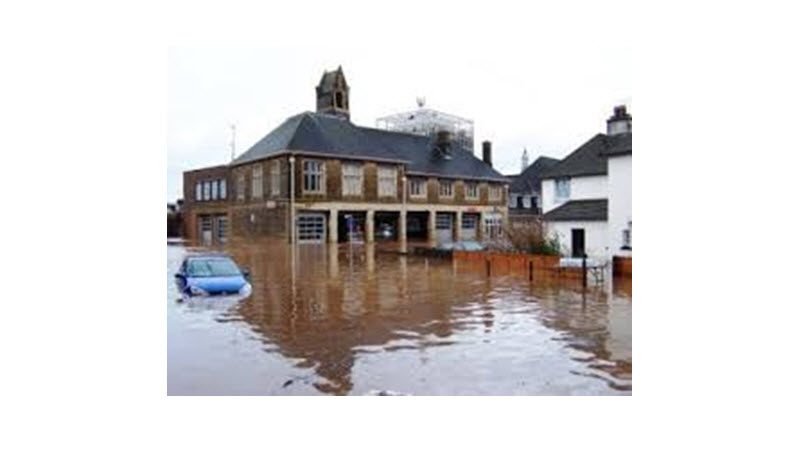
(525, 191)
(586, 197)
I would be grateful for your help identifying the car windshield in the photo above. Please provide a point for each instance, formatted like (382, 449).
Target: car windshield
(211, 267)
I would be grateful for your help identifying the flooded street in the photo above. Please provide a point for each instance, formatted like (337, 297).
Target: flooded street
(358, 319)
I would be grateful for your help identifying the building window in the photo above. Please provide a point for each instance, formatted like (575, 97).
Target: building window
(207, 190)
(445, 188)
(352, 179)
(313, 176)
(472, 191)
(495, 192)
(493, 224)
(257, 190)
(469, 221)
(627, 237)
(387, 181)
(240, 187)
(562, 189)
(198, 191)
(310, 228)
(223, 189)
(418, 187)
(205, 224)
(214, 189)
(222, 228)
(275, 178)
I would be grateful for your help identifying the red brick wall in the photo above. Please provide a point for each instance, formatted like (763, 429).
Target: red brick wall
(192, 208)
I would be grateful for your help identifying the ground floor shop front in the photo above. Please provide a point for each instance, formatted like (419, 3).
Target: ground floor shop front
(355, 222)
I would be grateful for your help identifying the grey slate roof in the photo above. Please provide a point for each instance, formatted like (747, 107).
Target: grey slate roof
(589, 210)
(619, 144)
(338, 137)
(530, 180)
(329, 78)
(590, 158)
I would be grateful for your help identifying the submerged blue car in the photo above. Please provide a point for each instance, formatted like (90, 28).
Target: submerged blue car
(211, 274)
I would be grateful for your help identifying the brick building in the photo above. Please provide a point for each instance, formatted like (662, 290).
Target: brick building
(339, 181)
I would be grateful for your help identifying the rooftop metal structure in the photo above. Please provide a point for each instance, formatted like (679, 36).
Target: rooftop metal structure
(427, 122)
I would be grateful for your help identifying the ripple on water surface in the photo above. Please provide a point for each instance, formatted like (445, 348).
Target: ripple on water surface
(356, 320)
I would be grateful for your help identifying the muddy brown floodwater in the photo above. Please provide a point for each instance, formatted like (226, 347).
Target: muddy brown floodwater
(357, 319)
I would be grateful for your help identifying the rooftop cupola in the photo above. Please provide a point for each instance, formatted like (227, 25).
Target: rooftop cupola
(620, 122)
(333, 94)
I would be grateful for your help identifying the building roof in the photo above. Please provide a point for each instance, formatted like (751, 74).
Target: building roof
(530, 180)
(574, 210)
(328, 79)
(590, 158)
(319, 133)
(619, 144)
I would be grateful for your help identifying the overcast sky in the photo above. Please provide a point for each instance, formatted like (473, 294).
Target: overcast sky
(548, 98)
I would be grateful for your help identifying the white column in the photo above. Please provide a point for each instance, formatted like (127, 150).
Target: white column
(457, 230)
(333, 226)
(370, 228)
(432, 226)
(401, 227)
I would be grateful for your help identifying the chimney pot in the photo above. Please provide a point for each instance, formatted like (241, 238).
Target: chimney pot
(620, 122)
(487, 152)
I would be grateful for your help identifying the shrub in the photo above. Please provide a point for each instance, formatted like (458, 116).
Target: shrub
(532, 238)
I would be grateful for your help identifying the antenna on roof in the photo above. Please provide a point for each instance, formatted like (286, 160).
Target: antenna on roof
(233, 141)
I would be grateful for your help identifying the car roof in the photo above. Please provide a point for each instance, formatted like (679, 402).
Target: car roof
(208, 256)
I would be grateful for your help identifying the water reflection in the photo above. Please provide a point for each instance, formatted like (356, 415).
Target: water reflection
(363, 317)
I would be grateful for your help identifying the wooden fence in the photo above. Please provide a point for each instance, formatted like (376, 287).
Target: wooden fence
(522, 264)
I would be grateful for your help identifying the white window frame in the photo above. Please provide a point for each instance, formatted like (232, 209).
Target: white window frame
(562, 189)
(496, 193)
(257, 182)
(418, 188)
(313, 173)
(223, 189)
(240, 187)
(214, 189)
(387, 181)
(469, 222)
(206, 190)
(449, 184)
(471, 186)
(198, 191)
(222, 228)
(352, 179)
(492, 226)
(275, 178)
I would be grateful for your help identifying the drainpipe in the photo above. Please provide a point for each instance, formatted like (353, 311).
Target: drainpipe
(401, 227)
(291, 199)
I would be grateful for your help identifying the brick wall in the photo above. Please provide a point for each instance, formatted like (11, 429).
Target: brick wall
(269, 218)
(333, 184)
(192, 208)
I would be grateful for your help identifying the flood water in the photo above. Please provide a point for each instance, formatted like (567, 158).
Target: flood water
(358, 319)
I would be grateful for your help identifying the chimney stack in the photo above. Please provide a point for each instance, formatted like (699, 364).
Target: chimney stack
(487, 152)
(525, 161)
(620, 122)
